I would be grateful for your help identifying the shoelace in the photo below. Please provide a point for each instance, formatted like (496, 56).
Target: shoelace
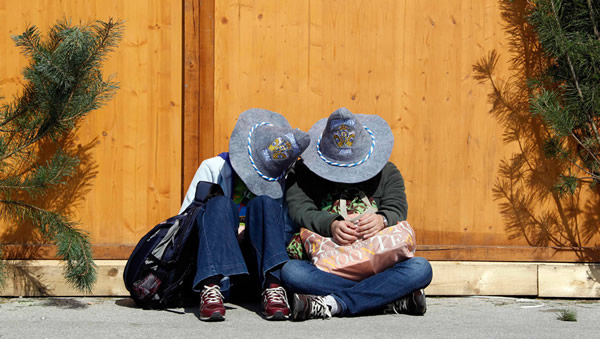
(400, 305)
(319, 308)
(276, 295)
(212, 294)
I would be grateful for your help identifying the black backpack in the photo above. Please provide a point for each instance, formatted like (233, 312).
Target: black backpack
(160, 271)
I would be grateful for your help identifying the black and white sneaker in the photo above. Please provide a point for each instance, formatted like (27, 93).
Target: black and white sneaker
(413, 304)
(309, 307)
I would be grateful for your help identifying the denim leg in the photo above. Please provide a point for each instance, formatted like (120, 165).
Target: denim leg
(358, 297)
(265, 231)
(301, 276)
(289, 227)
(218, 249)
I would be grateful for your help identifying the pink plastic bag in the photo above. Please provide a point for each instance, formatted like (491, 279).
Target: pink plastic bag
(363, 258)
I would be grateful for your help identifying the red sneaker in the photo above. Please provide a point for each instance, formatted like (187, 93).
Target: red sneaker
(274, 303)
(211, 304)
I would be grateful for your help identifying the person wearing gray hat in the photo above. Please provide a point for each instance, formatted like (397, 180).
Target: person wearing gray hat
(262, 148)
(350, 153)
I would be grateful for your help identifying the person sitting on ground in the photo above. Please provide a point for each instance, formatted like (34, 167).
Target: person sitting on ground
(350, 152)
(262, 148)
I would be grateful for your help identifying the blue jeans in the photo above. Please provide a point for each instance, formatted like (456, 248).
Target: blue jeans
(219, 251)
(355, 297)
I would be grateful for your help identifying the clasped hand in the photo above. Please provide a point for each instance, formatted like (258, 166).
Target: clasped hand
(346, 232)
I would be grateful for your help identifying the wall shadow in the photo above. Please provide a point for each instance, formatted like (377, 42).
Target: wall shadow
(22, 241)
(532, 209)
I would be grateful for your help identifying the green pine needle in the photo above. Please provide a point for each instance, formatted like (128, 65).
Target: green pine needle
(74, 248)
(567, 184)
(568, 97)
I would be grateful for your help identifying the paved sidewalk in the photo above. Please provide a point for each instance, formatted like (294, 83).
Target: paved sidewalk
(458, 317)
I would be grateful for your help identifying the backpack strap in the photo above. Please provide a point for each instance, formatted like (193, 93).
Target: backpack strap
(204, 191)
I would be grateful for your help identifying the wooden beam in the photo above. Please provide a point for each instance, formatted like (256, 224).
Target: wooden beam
(509, 253)
(206, 113)
(48, 251)
(45, 278)
(483, 278)
(450, 278)
(191, 90)
(198, 86)
(567, 280)
(430, 252)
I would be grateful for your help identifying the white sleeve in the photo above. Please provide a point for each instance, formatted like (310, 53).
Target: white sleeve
(203, 173)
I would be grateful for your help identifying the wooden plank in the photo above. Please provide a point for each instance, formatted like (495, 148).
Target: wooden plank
(191, 90)
(508, 253)
(198, 120)
(206, 119)
(568, 280)
(45, 278)
(430, 252)
(46, 251)
(475, 278)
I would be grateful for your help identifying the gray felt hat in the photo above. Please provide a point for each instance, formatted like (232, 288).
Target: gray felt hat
(349, 148)
(263, 146)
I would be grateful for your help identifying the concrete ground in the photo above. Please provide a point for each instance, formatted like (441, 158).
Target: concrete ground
(456, 317)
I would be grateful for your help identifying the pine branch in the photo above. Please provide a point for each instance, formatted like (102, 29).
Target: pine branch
(74, 248)
(20, 108)
(64, 83)
(581, 168)
(591, 9)
(25, 145)
(72, 245)
(573, 74)
(53, 172)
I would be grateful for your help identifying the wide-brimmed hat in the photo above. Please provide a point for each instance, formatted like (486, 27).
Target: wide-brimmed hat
(349, 148)
(263, 146)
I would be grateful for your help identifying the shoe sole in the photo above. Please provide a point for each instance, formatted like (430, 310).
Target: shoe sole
(216, 316)
(297, 305)
(278, 315)
(421, 302)
(420, 307)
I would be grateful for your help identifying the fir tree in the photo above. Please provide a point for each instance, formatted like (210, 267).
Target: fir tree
(567, 95)
(63, 83)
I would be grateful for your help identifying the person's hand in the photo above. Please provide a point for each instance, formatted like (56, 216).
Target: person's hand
(344, 232)
(369, 225)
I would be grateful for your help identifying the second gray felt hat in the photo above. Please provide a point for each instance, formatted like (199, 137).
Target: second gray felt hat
(349, 148)
(263, 146)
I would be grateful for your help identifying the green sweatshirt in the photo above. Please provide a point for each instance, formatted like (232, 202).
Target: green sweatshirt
(306, 193)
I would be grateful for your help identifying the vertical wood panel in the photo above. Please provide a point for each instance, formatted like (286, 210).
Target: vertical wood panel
(207, 81)
(135, 141)
(261, 60)
(191, 89)
(198, 86)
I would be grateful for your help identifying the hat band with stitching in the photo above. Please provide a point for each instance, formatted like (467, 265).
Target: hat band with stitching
(333, 163)
(260, 174)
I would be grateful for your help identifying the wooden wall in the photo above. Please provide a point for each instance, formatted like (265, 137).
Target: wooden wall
(412, 62)
(473, 185)
(132, 146)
